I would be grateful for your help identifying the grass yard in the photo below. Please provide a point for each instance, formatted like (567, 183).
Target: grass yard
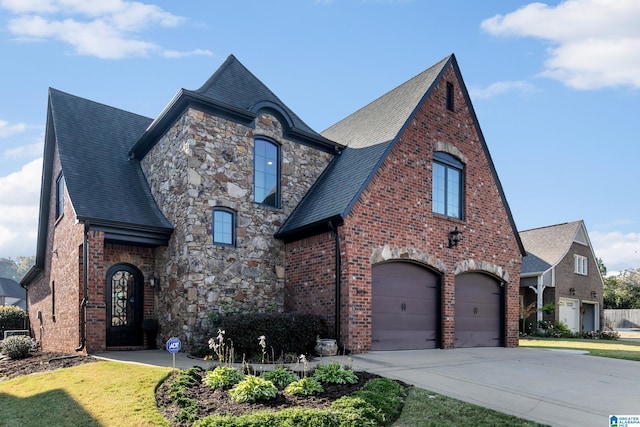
(628, 350)
(92, 394)
(123, 395)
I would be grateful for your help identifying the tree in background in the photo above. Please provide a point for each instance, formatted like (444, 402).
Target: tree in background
(622, 290)
(16, 269)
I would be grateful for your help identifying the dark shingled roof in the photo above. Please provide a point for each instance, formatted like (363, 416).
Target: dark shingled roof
(533, 264)
(104, 186)
(548, 244)
(369, 135)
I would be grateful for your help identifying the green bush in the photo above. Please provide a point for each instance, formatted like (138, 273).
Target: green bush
(304, 386)
(252, 389)
(286, 333)
(12, 317)
(222, 377)
(384, 386)
(334, 373)
(356, 412)
(291, 417)
(280, 377)
(18, 346)
(184, 380)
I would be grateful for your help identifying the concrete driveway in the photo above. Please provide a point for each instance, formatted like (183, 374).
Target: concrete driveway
(559, 388)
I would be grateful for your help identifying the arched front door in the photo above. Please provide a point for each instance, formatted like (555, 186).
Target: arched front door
(479, 311)
(124, 306)
(405, 301)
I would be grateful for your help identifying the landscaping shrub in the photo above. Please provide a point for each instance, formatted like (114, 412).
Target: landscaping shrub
(334, 373)
(305, 387)
(17, 346)
(252, 389)
(285, 333)
(185, 379)
(356, 412)
(222, 377)
(11, 317)
(292, 417)
(280, 377)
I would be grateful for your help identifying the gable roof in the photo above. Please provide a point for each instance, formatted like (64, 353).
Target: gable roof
(547, 246)
(235, 93)
(369, 135)
(11, 288)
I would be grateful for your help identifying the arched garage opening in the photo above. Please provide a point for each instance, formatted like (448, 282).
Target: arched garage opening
(405, 305)
(479, 308)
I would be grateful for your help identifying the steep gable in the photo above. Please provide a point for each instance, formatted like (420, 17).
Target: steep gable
(550, 243)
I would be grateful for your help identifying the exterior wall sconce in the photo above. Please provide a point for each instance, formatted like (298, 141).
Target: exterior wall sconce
(572, 291)
(455, 236)
(594, 294)
(154, 281)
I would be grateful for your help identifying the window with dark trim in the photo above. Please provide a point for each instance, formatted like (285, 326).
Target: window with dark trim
(448, 185)
(450, 94)
(53, 300)
(224, 227)
(266, 173)
(59, 196)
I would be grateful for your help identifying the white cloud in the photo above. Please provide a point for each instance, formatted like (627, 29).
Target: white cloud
(594, 43)
(178, 54)
(8, 129)
(619, 251)
(19, 197)
(31, 150)
(500, 88)
(107, 29)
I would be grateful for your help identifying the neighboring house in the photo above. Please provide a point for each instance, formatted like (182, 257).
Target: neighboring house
(11, 293)
(229, 202)
(561, 269)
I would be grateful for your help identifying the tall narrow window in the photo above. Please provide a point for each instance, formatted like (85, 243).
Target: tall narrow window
(224, 227)
(266, 173)
(59, 196)
(580, 265)
(450, 105)
(53, 301)
(447, 196)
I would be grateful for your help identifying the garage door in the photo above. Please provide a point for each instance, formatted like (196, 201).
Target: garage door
(479, 311)
(405, 307)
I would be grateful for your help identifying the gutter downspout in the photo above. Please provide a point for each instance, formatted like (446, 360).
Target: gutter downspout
(85, 289)
(338, 280)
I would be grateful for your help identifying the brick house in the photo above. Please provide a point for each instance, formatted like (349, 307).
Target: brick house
(392, 224)
(561, 269)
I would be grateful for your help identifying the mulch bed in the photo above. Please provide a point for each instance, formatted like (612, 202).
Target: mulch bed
(41, 361)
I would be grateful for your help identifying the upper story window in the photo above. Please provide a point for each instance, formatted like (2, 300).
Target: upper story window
(580, 265)
(59, 196)
(224, 227)
(266, 173)
(450, 105)
(448, 188)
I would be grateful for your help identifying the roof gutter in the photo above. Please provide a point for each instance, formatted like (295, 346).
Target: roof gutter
(338, 282)
(85, 288)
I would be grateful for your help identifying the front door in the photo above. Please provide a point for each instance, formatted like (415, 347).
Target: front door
(124, 306)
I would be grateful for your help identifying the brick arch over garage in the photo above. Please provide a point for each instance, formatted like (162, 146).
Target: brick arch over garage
(387, 253)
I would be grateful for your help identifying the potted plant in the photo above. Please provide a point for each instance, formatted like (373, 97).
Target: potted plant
(150, 328)
(548, 308)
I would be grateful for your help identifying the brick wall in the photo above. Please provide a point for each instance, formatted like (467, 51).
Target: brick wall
(394, 214)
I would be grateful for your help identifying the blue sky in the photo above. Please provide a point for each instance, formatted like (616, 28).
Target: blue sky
(554, 85)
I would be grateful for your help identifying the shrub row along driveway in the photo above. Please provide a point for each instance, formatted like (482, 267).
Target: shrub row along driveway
(559, 388)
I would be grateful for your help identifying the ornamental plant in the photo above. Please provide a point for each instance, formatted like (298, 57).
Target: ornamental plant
(335, 373)
(222, 377)
(305, 387)
(280, 376)
(252, 389)
(17, 346)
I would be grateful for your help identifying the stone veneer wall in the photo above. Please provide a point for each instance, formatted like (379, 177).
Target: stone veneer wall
(205, 161)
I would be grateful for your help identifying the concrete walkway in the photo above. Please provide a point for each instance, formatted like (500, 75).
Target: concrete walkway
(555, 387)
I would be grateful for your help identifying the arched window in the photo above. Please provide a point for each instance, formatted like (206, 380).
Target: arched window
(448, 185)
(266, 173)
(224, 226)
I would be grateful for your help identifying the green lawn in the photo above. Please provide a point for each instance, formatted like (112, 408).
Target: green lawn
(120, 394)
(629, 350)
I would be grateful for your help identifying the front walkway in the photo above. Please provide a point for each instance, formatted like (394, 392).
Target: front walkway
(559, 388)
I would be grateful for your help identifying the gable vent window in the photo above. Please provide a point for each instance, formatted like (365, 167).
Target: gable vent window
(266, 173)
(448, 184)
(224, 227)
(580, 264)
(450, 104)
(59, 196)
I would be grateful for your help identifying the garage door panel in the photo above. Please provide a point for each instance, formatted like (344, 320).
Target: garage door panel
(478, 312)
(404, 303)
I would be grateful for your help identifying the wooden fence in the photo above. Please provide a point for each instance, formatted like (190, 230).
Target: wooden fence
(622, 318)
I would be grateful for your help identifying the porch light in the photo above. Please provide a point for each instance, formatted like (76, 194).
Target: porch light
(572, 291)
(154, 281)
(455, 236)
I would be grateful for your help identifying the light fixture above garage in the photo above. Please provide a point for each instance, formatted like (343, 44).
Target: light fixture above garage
(455, 236)
(594, 294)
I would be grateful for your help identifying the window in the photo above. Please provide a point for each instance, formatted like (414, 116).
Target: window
(580, 265)
(53, 301)
(59, 196)
(266, 173)
(447, 185)
(450, 96)
(224, 227)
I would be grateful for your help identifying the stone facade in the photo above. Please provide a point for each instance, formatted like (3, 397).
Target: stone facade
(393, 220)
(202, 162)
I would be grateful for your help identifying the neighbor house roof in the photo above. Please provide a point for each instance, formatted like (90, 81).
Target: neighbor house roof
(547, 246)
(11, 288)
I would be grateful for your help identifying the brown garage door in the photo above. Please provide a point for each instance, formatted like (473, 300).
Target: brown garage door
(479, 311)
(405, 300)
